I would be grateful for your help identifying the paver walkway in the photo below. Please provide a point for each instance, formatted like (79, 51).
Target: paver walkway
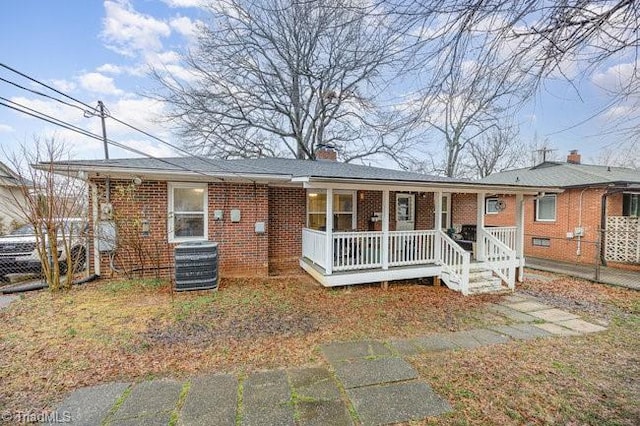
(613, 276)
(369, 383)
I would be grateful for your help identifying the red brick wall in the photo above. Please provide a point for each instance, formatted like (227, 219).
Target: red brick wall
(287, 217)
(464, 209)
(241, 250)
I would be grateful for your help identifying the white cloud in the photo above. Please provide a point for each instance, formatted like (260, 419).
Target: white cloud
(63, 85)
(185, 3)
(616, 77)
(185, 26)
(128, 32)
(98, 83)
(5, 128)
(110, 69)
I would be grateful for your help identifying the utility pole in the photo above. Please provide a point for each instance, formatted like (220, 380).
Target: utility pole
(104, 130)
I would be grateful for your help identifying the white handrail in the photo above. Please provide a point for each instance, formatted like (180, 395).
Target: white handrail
(499, 257)
(357, 250)
(313, 246)
(506, 234)
(412, 247)
(455, 262)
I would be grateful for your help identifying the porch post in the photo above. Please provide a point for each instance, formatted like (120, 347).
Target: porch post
(520, 235)
(385, 229)
(329, 233)
(437, 223)
(480, 228)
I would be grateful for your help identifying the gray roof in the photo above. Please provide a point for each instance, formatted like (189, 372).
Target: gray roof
(261, 166)
(564, 175)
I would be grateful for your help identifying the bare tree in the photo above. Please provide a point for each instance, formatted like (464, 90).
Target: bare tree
(281, 78)
(45, 200)
(496, 151)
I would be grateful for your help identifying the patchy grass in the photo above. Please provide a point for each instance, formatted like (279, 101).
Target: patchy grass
(135, 330)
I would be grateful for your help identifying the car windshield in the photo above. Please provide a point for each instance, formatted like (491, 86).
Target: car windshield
(24, 230)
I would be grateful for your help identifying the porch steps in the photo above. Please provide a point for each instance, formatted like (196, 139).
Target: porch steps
(481, 280)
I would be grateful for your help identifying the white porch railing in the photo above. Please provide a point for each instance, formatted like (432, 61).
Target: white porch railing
(455, 264)
(357, 250)
(506, 234)
(314, 245)
(412, 247)
(498, 257)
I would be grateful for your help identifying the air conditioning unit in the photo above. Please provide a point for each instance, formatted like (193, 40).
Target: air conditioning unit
(196, 266)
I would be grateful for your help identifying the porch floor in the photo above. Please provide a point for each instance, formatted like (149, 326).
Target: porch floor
(365, 276)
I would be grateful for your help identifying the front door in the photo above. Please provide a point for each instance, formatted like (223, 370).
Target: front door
(405, 212)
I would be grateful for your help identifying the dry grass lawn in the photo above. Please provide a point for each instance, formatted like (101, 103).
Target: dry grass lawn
(132, 330)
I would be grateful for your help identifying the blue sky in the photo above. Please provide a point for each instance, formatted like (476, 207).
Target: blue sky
(100, 50)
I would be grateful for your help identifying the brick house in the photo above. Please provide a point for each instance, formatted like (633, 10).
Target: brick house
(593, 218)
(341, 223)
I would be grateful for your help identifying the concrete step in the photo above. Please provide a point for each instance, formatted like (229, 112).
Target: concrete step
(490, 285)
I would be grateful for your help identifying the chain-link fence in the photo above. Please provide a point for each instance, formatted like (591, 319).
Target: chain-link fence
(23, 250)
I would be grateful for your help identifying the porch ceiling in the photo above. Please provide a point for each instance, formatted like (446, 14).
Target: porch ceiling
(379, 185)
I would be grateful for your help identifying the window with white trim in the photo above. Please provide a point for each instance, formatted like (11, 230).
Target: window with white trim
(187, 215)
(344, 210)
(631, 205)
(491, 205)
(546, 208)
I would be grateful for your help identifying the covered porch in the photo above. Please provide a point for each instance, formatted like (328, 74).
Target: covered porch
(391, 248)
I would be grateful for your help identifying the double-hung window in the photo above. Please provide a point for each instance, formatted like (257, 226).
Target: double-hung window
(631, 205)
(344, 214)
(187, 205)
(546, 208)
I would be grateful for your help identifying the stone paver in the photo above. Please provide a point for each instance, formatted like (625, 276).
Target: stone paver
(488, 337)
(464, 339)
(365, 372)
(6, 300)
(151, 402)
(520, 331)
(211, 400)
(266, 399)
(88, 406)
(553, 315)
(556, 329)
(581, 326)
(436, 342)
(340, 351)
(528, 306)
(314, 383)
(516, 298)
(321, 413)
(405, 347)
(397, 402)
(511, 314)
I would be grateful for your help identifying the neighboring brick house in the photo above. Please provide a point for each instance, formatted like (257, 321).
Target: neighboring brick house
(567, 225)
(342, 223)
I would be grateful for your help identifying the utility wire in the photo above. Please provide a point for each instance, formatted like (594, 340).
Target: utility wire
(41, 94)
(45, 117)
(95, 112)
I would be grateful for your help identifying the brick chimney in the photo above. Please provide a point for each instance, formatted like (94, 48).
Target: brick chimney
(326, 153)
(573, 157)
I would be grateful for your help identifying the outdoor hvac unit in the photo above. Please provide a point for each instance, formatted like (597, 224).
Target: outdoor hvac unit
(196, 266)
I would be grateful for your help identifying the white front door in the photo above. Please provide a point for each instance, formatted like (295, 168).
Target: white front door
(405, 212)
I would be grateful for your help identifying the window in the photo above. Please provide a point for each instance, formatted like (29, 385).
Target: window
(631, 205)
(446, 208)
(546, 208)
(344, 217)
(491, 206)
(187, 219)
(541, 242)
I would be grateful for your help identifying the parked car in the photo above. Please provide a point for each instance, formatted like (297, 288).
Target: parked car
(19, 254)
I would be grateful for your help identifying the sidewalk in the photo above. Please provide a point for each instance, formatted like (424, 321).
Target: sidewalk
(613, 276)
(367, 382)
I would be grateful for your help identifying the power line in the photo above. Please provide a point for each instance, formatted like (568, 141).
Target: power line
(36, 92)
(94, 111)
(45, 117)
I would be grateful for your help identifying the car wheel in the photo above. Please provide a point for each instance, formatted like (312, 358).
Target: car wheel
(79, 258)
